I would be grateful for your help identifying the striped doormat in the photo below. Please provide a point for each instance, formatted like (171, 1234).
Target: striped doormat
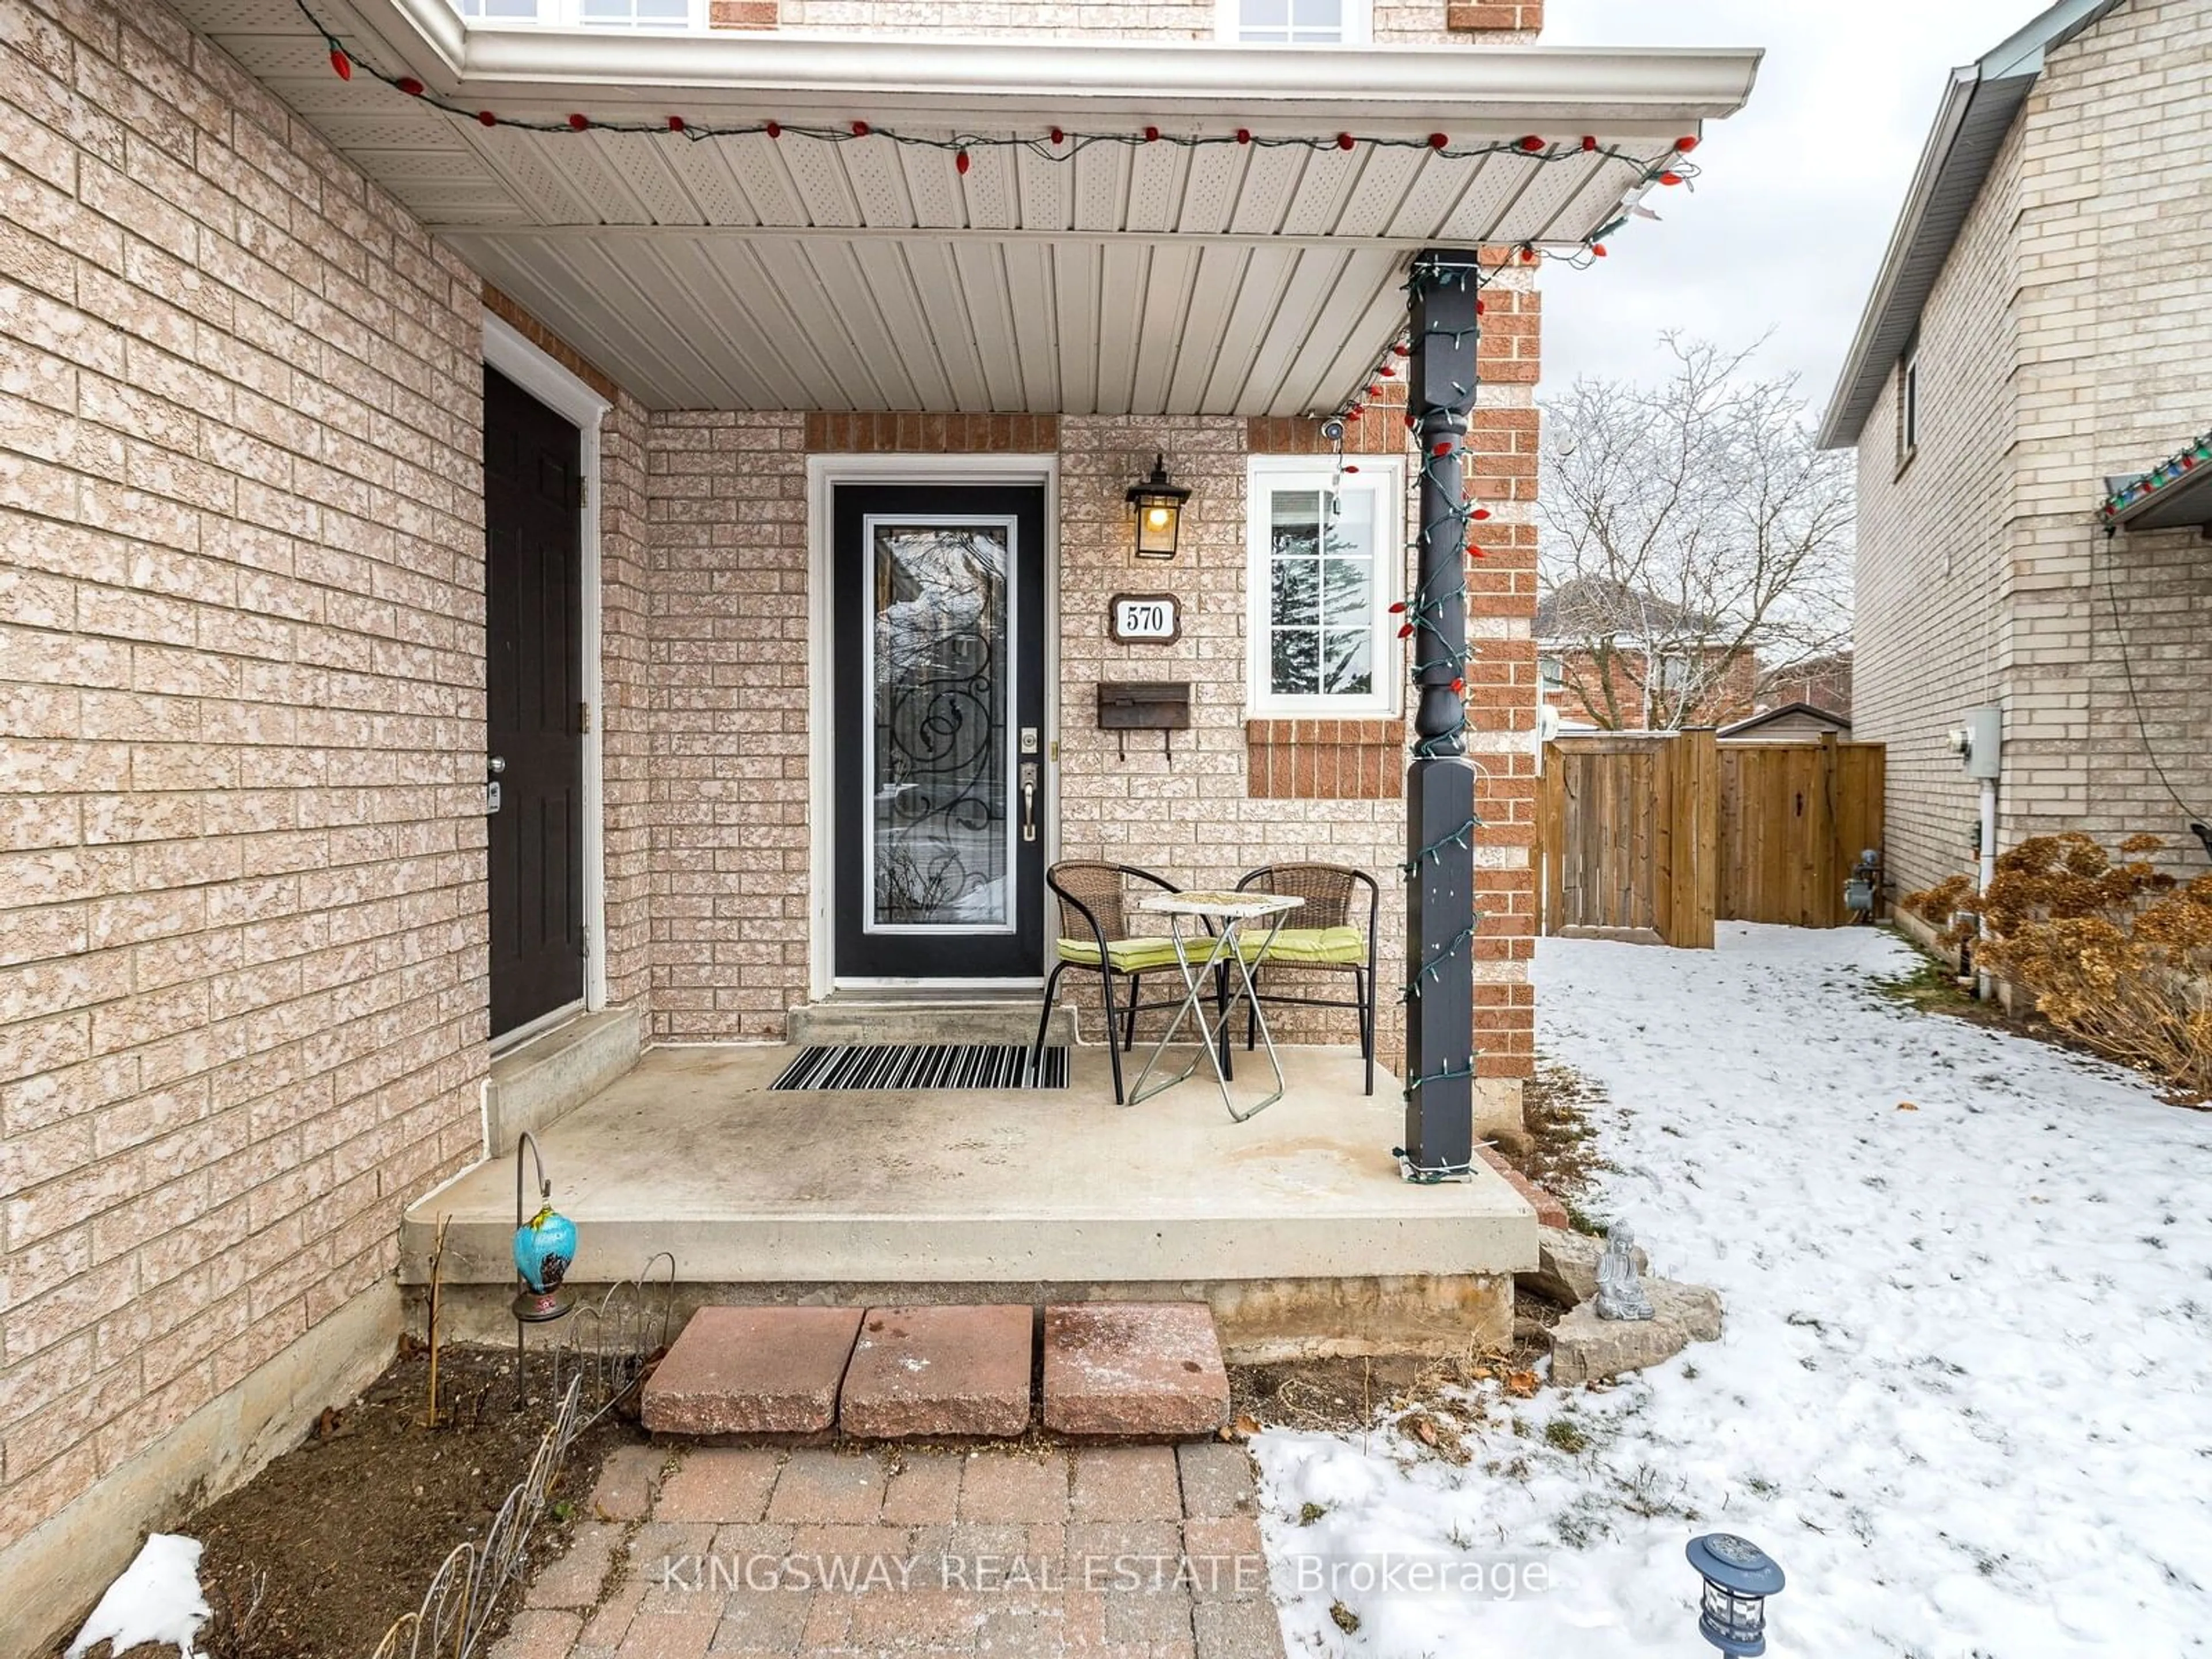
(924, 1066)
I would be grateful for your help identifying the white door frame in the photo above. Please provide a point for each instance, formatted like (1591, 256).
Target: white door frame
(824, 474)
(507, 350)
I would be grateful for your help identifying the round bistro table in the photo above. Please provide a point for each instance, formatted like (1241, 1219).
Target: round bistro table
(1227, 915)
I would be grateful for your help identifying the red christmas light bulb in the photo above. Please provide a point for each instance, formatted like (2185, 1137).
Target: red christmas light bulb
(960, 160)
(675, 124)
(1685, 145)
(1479, 513)
(409, 85)
(1598, 248)
(579, 123)
(1670, 179)
(1243, 134)
(1151, 134)
(773, 129)
(860, 129)
(341, 65)
(486, 118)
(1345, 141)
(1589, 143)
(1439, 140)
(1058, 136)
(1532, 143)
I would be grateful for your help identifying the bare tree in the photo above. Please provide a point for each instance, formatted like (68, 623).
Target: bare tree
(1687, 526)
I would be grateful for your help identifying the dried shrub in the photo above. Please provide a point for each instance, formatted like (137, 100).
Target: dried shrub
(2117, 953)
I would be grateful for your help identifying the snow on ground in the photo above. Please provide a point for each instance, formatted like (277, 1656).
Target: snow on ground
(1963, 1393)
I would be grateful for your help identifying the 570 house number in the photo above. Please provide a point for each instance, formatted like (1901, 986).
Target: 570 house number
(1144, 618)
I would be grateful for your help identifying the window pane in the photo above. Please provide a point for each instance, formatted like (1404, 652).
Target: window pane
(1348, 662)
(1318, 21)
(513, 10)
(1255, 16)
(1296, 598)
(1296, 662)
(1344, 589)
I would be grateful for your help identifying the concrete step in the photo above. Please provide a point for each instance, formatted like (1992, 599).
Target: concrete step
(1131, 1370)
(934, 1020)
(1144, 1370)
(537, 1083)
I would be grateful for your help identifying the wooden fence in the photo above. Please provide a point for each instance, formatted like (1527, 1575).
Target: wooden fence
(1628, 837)
(1653, 836)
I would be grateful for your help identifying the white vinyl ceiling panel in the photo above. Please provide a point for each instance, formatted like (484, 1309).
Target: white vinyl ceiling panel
(749, 272)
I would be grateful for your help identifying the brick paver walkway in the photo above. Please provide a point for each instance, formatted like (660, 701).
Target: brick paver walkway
(1110, 1553)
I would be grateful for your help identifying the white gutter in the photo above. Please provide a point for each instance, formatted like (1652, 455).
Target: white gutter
(845, 76)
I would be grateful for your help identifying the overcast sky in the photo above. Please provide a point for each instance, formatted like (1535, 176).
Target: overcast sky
(1800, 190)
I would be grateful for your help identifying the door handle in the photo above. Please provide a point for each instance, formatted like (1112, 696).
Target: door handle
(1028, 799)
(495, 765)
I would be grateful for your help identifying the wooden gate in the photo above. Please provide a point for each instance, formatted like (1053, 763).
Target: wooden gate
(1628, 838)
(1794, 817)
(1652, 836)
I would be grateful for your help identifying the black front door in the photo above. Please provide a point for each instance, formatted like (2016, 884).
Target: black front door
(533, 618)
(940, 771)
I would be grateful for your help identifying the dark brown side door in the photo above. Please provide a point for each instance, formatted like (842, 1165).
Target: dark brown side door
(533, 603)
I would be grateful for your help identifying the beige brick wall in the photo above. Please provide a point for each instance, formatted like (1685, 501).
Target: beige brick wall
(727, 703)
(2064, 343)
(2114, 340)
(242, 1009)
(1933, 546)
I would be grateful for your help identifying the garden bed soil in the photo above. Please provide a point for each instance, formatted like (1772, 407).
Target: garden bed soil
(317, 1555)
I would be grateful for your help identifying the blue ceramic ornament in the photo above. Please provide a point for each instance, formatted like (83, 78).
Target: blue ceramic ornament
(543, 1247)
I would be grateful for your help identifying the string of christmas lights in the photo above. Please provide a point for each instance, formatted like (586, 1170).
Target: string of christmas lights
(2170, 470)
(1055, 144)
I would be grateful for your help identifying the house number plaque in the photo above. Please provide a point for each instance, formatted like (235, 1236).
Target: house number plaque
(1144, 618)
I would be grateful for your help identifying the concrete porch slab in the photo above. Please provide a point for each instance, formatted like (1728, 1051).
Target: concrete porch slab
(1295, 1226)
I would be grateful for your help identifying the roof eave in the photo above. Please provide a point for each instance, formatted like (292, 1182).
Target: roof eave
(1977, 111)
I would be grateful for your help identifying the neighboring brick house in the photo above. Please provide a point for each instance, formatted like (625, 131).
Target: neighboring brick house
(2037, 332)
(267, 622)
(1823, 682)
(1626, 661)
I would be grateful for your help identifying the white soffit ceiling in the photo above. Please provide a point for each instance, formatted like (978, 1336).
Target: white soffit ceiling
(752, 272)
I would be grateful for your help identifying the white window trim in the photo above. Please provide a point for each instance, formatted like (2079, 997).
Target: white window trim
(569, 14)
(1385, 475)
(1359, 25)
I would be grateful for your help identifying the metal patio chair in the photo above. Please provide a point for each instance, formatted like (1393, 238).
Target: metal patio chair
(1097, 920)
(1327, 939)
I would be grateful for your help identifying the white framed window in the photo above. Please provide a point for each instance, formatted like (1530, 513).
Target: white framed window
(1908, 402)
(588, 14)
(1296, 23)
(1325, 556)
(1674, 674)
(1552, 672)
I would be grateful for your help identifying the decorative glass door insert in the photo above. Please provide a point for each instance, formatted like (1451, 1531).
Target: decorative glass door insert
(940, 639)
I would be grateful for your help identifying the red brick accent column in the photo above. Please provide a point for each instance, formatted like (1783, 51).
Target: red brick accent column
(761, 13)
(1494, 17)
(1501, 691)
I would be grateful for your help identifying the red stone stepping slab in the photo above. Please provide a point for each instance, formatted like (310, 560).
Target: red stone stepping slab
(933, 1371)
(752, 1370)
(1148, 1370)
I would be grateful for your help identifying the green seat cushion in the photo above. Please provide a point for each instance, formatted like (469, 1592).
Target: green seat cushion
(1310, 946)
(1128, 956)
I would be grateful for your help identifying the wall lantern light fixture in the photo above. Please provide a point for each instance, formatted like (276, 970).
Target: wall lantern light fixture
(1159, 506)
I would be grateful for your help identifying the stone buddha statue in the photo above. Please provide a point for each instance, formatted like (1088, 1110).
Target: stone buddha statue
(1620, 1292)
